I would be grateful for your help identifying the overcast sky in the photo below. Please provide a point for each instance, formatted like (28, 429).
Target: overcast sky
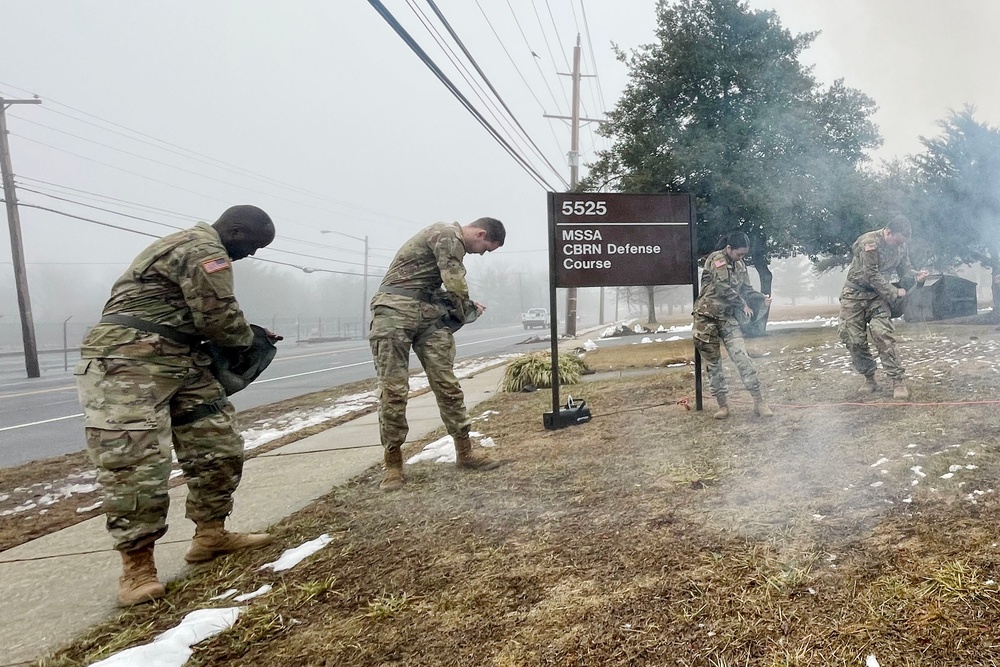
(325, 98)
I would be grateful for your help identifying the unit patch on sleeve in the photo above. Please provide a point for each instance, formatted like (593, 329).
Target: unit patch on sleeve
(215, 265)
(869, 247)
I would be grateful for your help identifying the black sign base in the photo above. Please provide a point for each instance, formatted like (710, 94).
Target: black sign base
(571, 414)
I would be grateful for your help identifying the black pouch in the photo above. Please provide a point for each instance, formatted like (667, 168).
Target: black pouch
(236, 368)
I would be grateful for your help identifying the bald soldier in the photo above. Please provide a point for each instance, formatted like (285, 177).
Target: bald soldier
(421, 302)
(866, 298)
(145, 386)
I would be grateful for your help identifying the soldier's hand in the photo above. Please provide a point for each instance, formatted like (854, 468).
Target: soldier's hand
(767, 299)
(480, 308)
(273, 337)
(922, 275)
(901, 292)
(747, 310)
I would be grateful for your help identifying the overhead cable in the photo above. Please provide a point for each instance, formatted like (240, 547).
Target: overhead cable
(405, 36)
(188, 153)
(486, 79)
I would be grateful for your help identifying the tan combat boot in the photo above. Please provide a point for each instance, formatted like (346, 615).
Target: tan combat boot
(723, 411)
(211, 539)
(138, 582)
(869, 387)
(393, 479)
(466, 459)
(899, 390)
(760, 408)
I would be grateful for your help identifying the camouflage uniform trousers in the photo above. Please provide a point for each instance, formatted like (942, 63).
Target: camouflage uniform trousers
(858, 317)
(393, 333)
(128, 406)
(709, 335)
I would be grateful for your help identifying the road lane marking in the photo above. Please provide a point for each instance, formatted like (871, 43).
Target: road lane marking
(39, 391)
(258, 382)
(44, 421)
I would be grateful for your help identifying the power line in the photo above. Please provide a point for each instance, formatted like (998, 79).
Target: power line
(475, 64)
(537, 66)
(104, 198)
(171, 166)
(187, 153)
(84, 193)
(491, 106)
(405, 36)
(175, 228)
(521, 74)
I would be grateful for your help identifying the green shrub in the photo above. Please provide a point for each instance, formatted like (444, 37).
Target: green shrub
(536, 370)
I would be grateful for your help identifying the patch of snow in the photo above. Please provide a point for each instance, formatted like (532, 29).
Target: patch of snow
(487, 442)
(441, 450)
(292, 557)
(263, 590)
(88, 508)
(590, 345)
(225, 594)
(872, 661)
(947, 475)
(919, 471)
(173, 647)
(879, 462)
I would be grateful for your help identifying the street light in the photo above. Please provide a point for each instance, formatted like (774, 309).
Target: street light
(364, 280)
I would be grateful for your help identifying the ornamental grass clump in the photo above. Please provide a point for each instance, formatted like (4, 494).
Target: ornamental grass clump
(535, 371)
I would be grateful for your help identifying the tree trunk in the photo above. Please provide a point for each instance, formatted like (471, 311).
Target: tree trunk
(758, 326)
(994, 267)
(651, 303)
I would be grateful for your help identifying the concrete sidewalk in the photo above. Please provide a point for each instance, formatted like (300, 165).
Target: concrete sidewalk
(58, 586)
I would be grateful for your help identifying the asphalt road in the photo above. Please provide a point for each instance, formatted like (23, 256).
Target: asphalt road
(41, 418)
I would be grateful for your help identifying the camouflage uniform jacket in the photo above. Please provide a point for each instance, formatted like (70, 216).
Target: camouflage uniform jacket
(725, 287)
(425, 263)
(183, 281)
(872, 266)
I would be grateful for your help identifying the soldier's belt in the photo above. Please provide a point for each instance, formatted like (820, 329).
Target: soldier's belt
(859, 288)
(190, 340)
(419, 295)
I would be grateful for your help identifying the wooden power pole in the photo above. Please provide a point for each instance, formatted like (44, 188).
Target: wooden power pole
(574, 163)
(16, 246)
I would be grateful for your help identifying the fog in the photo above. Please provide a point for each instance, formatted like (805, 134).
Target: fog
(318, 112)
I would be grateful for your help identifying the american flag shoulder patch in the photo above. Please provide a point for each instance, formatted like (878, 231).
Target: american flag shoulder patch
(870, 246)
(215, 265)
(719, 263)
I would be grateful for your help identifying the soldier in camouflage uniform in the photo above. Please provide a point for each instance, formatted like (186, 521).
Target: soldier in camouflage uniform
(422, 300)
(145, 386)
(866, 298)
(721, 304)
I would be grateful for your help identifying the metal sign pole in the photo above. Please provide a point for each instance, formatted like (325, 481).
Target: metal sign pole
(553, 307)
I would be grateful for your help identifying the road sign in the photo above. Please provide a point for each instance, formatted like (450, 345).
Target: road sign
(617, 240)
(606, 240)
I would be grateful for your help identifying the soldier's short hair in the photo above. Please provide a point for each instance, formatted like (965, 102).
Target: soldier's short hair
(494, 229)
(900, 225)
(735, 240)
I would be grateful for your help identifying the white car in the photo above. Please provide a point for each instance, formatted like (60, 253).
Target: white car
(535, 317)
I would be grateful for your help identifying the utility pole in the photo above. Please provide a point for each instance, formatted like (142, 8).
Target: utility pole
(16, 246)
(574, 162)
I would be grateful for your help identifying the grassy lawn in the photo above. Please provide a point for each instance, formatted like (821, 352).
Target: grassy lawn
(654, 535)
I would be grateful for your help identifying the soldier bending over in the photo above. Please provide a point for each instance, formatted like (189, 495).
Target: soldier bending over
(412, 309)
(145, 385)
(725, 290)
(866, 298)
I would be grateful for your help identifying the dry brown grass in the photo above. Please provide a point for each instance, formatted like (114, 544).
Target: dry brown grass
(654, 535)
(30, 481)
